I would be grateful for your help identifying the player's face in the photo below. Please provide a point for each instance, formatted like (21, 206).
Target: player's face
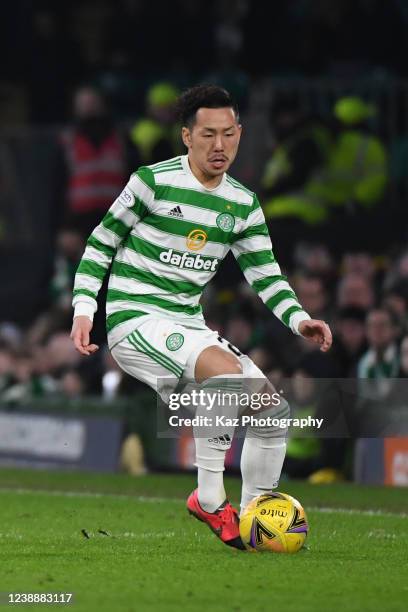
(213, 140)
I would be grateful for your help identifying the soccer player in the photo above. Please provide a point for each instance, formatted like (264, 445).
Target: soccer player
(164, 238)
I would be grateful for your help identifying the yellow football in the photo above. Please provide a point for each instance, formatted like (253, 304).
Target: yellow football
(274, 522)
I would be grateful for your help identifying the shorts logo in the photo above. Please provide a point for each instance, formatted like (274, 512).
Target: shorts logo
(126, 198)
(196, 240)
(225, 222)
(174, 342)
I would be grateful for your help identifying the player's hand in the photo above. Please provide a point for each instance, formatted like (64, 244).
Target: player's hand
(318, 332)
(81, 328)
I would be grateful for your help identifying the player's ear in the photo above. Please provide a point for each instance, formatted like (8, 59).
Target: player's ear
(186, 136)
(239, 131)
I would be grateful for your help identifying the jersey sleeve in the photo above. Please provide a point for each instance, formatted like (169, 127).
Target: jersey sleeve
(133, 203)
(252, 249)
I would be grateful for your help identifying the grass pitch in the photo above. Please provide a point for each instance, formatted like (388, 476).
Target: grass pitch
(121, 543)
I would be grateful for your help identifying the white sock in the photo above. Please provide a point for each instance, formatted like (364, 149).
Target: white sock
(261, 466)
(211, 492)
(210, 452)
(210, 476)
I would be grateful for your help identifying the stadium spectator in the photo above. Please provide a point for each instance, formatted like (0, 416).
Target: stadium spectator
(396, 300)
(302, 144)
(314, 393)
(397, 272)
(71, 384)
(21, 384)
(302, 452)
(315, 260)
(349, 339)
(356, 172)
(355, 290)
(312, 292)
(95, 161)
(376, 372)
(391, 420)
(382, 358)
(359, 264)
(60, 351)
(70, 246)
(24, 384)
(156, 136)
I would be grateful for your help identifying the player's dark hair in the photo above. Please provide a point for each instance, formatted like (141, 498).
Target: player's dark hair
(203, 96)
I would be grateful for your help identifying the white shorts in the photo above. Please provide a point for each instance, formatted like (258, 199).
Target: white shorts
(160, 353)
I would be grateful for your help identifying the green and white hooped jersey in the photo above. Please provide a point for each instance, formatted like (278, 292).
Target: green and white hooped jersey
(165, 236)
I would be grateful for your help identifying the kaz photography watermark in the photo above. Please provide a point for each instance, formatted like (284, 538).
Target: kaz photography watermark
(218, 408)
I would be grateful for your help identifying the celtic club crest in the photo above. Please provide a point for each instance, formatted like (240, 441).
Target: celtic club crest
(226, 222)
(174, 341)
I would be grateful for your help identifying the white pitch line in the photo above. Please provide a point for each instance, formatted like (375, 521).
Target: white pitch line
(327, 510)
(153, 500)
(88, 494)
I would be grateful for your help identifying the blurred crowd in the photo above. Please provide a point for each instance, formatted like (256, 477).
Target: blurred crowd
(324, 180)
(319, 185)
(364, 299)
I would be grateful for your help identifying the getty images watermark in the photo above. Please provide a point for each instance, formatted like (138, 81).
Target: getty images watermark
(219, 408)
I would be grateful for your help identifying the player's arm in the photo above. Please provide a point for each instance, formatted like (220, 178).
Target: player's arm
(127, 210)
(253, 250)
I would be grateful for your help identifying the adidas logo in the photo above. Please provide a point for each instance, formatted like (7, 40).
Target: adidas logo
(176, 212)
(222, 440)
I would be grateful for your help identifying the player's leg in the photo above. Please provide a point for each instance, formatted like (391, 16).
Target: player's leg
(216, 361)
(264, 448)
(217, 371)
(214, 366)
(160, 348)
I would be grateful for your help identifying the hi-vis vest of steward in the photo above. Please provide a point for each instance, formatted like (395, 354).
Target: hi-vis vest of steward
(96, 173)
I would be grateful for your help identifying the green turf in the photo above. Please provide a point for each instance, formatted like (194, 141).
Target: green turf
(156, 557)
